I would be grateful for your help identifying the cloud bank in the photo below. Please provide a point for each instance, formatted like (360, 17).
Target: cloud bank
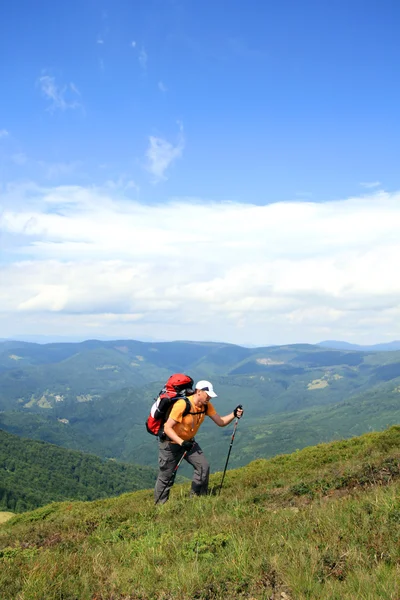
(90, 260)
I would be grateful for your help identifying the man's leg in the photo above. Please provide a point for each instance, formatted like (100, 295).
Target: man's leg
(168, 457)
(201, 471)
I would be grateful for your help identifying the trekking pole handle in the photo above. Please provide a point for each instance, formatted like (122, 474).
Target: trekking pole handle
(239, 407)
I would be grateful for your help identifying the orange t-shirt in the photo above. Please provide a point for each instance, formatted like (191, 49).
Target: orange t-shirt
(188, 425)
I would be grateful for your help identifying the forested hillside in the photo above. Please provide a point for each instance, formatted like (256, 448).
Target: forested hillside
(34, 473)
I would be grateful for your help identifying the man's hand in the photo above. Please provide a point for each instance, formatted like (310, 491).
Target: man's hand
(238, 412)
(187, 445)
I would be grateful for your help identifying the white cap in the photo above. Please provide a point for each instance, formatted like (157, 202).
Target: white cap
(206, 386)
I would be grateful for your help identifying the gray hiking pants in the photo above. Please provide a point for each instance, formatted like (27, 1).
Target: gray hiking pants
(168, 457)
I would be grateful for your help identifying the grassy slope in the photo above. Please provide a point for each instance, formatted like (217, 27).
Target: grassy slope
(322, 523)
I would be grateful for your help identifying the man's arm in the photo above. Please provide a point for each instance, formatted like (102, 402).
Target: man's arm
(169, 431)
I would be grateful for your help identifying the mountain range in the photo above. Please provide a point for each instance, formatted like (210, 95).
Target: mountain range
(94, 396)
(384, 347)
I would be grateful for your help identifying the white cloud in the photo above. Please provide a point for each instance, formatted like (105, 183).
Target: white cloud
(100, 41)
(298, 271)
(162, 87)
(161, 154)
(143, 59)
(59, 96)
(370, 184)
(3, 133)
(133, 44)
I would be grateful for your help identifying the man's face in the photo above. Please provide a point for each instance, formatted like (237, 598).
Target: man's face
(204, 397)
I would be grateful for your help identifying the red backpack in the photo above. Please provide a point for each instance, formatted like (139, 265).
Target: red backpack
(177, 387)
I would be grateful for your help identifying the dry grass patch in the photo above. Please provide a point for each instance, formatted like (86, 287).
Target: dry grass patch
(5, 516)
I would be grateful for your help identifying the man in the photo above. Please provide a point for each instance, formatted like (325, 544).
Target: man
(180, 431)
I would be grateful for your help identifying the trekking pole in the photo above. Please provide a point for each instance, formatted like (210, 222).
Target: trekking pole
(229, 453)
(172, 476)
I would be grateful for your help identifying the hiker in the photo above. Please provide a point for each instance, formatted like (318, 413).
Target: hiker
(179, 433)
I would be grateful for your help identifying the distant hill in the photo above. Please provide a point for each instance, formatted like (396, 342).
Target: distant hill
(56, 378)
(39, 376)
(386, 347)
(64, 339)
(34, 473)
(321, 523)
(95, 396)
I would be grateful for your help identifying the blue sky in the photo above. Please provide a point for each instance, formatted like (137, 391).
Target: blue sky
(153, 112)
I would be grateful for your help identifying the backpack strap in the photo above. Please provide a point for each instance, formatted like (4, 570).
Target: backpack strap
(187, 408)
(188, 411)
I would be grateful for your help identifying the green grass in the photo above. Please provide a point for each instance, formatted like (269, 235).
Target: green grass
(322, 523)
